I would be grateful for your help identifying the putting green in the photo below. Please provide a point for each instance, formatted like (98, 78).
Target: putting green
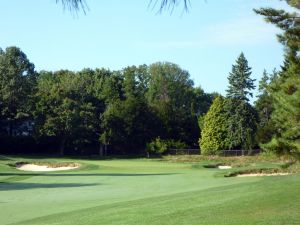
(141, 191)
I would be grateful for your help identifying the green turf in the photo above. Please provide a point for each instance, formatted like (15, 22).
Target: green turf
(141, 191)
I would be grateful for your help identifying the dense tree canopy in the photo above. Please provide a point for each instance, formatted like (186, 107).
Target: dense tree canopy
(17, 81)
(93, 109)
(67, 108)
(171, 96)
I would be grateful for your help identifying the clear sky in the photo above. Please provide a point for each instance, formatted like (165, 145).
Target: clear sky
(117, 33)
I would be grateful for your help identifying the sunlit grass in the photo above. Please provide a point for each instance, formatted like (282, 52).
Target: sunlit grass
(172, 190)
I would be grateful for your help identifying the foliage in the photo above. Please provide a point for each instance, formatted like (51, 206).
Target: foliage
(93, 108)
(65, 108)
(176, 144)
(170, 4)
(74, 5)
(128, 120)
(289, 23)
(157, 146)
(242, 116)
(240, 83)
(176, 103)
(294, 3)
(214, 133)
(264, 102)
(242, 124)
(285, 117)
(264, 106)
(17, 82)
(285, 89)
(113, 107)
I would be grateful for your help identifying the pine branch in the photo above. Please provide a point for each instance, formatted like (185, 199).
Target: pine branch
(169, 4)
(74, 5)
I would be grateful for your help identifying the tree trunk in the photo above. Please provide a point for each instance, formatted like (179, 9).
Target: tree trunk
(101, 150)
(10, 128)
(62, 146)
(105, 150)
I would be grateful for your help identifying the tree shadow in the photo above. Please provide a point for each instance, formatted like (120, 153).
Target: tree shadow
(87, 174)
(2, 157)
(24, 186)
(75, 157)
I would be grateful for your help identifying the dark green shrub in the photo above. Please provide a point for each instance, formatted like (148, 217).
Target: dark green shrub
(175, 144)
(159, 146)
(156, 147)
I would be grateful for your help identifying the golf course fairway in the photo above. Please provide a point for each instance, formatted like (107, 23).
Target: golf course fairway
(143, 191)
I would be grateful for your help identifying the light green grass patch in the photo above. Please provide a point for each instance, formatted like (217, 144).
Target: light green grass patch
(142, 191)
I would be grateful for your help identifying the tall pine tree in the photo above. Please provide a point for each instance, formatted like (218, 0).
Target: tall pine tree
(286, 88)
(241, 115)
(240, 83)
(264, 107)
(285, 116)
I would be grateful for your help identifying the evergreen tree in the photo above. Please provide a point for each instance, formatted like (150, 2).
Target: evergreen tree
(285, 117)
(264, 101)
(285, 89)
(214, 133)
(241, 115)
(289, 23)
(264, 106)
(240, 83)
(242, 124)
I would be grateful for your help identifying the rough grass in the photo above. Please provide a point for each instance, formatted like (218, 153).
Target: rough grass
(142, 191)
(234, 161)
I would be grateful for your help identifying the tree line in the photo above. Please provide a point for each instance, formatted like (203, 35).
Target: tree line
(124, 109)
(147, 108)
(153, 107)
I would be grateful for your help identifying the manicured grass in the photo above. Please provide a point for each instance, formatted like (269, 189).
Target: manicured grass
(142, 191)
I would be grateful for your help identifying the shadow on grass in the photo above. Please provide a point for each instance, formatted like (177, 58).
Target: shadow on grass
(87, 174)
(2, 157)
(74, 157)
(24, 186)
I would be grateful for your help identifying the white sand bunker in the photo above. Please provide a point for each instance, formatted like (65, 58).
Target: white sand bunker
(224, 167)
(34, 167)
(262, 174)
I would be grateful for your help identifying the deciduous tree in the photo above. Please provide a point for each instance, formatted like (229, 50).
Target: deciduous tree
(17, 84)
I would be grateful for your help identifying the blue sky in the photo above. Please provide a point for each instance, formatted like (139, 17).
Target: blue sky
(115, 33)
